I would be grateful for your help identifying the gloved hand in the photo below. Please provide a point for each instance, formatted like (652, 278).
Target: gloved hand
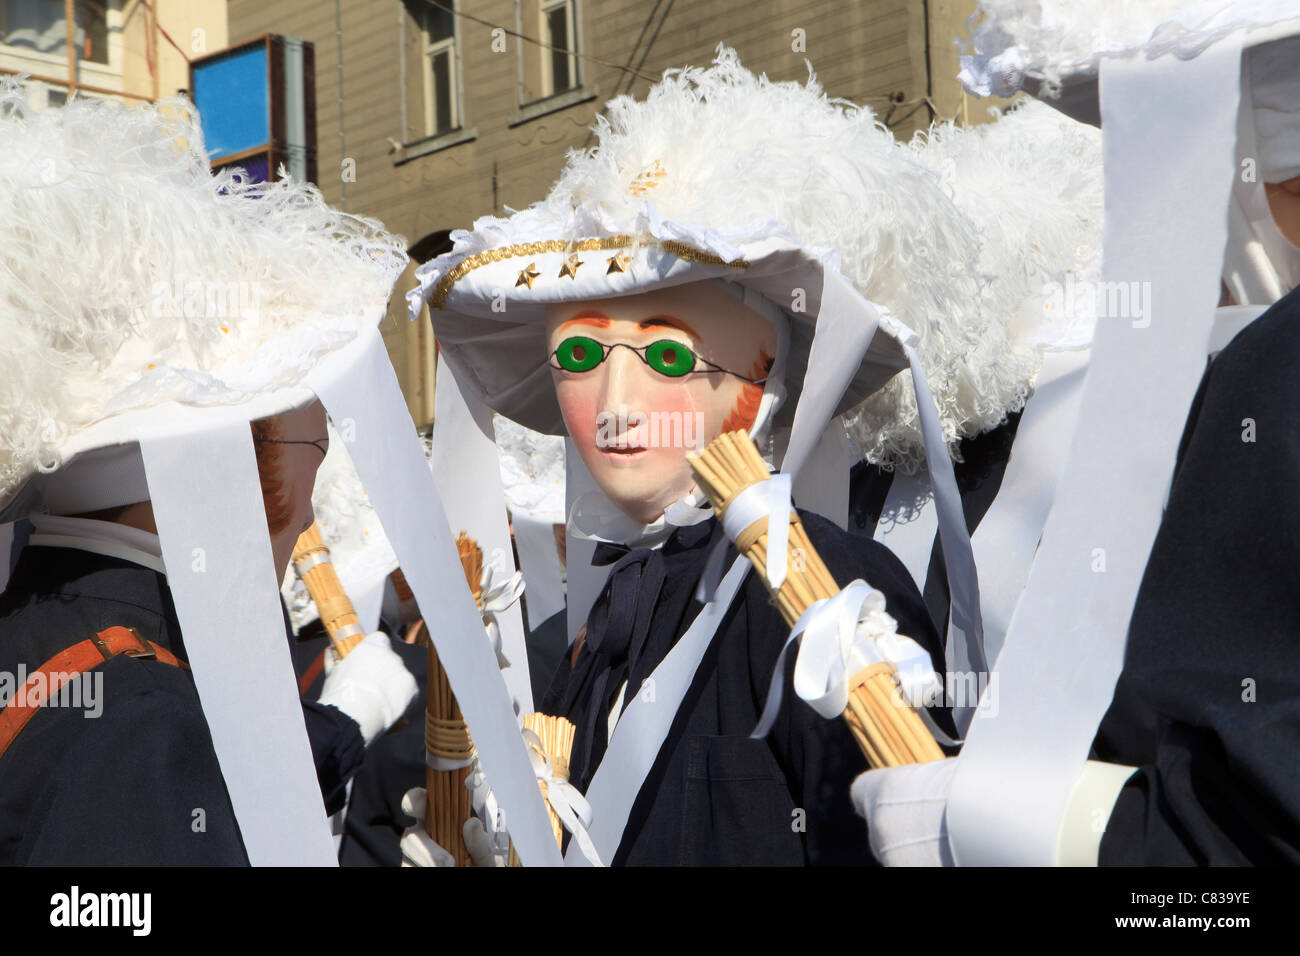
(371, 685)
(905, 809)
(419, 849)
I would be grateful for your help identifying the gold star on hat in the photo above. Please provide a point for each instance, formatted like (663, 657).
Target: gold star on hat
(618, 263)
(570, 267)
(527, 275)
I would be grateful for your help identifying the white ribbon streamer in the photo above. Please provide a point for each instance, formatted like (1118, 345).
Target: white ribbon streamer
(640, 732)
(1172, 120)
(768, 499)
(229, 610)
(390, 460)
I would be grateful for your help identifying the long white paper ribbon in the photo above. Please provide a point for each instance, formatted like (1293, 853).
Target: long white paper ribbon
(227, 601)
(643, 727)
(1173, 120)
(367, 405)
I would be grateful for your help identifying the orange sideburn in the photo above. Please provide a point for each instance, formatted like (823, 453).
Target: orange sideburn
(746, 408)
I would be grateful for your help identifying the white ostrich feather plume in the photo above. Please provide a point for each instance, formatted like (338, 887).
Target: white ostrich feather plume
(941, 231)
(1054, 40)
(131, 276)
(935, 230)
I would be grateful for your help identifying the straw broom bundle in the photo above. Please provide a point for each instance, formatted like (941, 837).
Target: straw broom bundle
(887, 730)
(311, 559)
(450, 802)
(556, 735)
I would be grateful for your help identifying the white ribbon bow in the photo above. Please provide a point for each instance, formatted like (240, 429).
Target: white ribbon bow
(764, 499)
(568, 803)
(838, 637)
(484, 803)
(497, 596)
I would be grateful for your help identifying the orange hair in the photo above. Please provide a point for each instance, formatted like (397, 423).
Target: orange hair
(745, 410)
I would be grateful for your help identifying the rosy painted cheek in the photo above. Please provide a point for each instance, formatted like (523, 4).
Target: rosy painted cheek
(579, 404)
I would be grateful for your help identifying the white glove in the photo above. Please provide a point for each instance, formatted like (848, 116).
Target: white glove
(906, 809)
(371, 685)
(419, 849)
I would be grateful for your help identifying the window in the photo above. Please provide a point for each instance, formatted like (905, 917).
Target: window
(38, 25)
(441, 71)
(559, 32)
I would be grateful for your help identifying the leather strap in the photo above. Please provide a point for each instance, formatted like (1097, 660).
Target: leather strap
(312, 672)
(45, 681)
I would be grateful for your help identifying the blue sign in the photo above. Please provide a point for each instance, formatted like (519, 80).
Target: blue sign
(233, 97)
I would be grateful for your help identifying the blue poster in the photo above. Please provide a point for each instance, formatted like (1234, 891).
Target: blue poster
(233, 98)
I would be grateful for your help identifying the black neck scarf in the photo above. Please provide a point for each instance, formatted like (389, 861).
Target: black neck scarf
(627, 612)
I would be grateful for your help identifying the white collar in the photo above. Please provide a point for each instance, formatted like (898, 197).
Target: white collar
(98, 537)
(596, 518)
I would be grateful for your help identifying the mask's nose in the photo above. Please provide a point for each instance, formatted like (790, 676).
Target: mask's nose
(624, 380)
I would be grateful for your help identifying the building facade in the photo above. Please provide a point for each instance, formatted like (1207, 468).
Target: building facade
(432, 113)
(133, 50)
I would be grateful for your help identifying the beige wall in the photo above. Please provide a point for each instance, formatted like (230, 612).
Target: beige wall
(197, 26)
(134, 43)
(868, 51)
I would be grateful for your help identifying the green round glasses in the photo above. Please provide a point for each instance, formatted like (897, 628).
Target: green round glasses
(581, 353)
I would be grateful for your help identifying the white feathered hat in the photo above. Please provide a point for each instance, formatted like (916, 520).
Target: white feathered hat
(719, 173)
(133, 280)
(1019, 44)
(1054, 50)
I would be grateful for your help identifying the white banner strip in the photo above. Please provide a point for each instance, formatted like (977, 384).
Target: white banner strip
(1007, 538)
(367, 406)
(467, 472)
(539, 559)
(1168, 151)
(641, 731)
(228, 603)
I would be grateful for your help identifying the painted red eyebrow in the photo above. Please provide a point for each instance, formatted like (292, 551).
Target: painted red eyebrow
(588, 317)
(667, 321)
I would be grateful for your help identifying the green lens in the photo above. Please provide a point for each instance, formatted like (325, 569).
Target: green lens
(670, 358)
(579, 354)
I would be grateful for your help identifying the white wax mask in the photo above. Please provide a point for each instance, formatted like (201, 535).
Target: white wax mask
(642, 380)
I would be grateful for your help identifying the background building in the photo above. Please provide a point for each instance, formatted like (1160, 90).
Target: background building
(135, 50)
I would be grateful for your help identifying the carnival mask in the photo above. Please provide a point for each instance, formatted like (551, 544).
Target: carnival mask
(642, 380)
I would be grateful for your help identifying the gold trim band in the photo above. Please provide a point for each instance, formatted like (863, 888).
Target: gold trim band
(467, 265)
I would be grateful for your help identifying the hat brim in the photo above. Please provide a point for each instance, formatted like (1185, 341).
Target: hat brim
(488, 308)
(100, 466)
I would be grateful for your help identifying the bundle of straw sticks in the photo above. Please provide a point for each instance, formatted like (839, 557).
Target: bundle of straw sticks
(446, 735)
(887, 730)
(556, 735)
(311, 560)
